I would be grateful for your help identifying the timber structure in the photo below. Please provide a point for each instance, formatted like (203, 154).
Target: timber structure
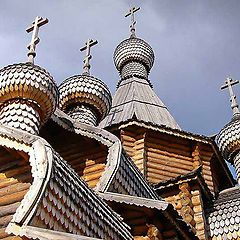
(78, 164)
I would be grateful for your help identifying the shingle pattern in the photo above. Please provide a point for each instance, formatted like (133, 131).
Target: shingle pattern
(69, 205)
(224, 216)
(85, 90)
(129, 180)
(20, 114)
(83, 114)
(228, 139)
(28, 81)
(135, 99)
(133, 50)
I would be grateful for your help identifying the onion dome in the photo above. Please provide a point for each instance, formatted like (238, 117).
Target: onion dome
(228, 138)
(28, 93)
(133, 57)
(83, 97)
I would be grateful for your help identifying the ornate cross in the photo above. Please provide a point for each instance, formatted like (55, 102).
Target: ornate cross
(87, 47)
(133, 22)
(39, 21)
(229, 83)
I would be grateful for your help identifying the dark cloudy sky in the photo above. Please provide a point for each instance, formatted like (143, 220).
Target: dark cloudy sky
(196, 44)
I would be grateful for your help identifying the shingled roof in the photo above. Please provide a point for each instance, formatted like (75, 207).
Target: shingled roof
(135, 99)
(224, 216)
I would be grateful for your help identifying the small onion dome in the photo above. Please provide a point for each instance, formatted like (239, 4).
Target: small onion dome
(29, 82)
(85, 90)
(228, 139)
(133, 50)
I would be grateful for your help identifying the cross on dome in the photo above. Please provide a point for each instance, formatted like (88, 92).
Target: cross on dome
(86, 65)
(133, 22)
(39, 21)
(228, 84)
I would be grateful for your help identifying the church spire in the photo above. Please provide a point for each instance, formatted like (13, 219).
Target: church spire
(135, 98)
(86, 65)
(131, 13)
(228, 138)
(228, 84)
(39, 21)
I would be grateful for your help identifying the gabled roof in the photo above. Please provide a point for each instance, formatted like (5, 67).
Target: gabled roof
(135, 99)
(58, 199)
(120, 174)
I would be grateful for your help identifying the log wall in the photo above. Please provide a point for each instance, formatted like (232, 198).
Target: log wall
(167, 158)
(15, 180)
(188, 202)
(89, 163)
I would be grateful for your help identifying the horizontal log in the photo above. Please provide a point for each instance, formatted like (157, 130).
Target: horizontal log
(3, 234)
(138, 156)
(163, 167)
(18, 171)
(169, 143)
(127, 138)
(173, 164)
(92, 183)
(158, 152)
(82, 163)
(7, 181)
(94, 168)
(159, 174)
(94, 176)
(9, 209)
(17, 187)
(5, 220)
(12, 198)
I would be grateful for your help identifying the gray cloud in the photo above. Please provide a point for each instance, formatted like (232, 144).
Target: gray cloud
(196, 44)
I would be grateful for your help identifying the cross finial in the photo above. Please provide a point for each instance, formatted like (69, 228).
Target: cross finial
(39, 21)
(87, 47)
(133, 22)
(228, 84)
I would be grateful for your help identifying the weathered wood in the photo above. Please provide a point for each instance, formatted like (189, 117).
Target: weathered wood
(156, 176)
(15, 197)
(8, 209)
(3, 234)
(17, 187)
(5, 220)
(94, 176)
(17, 171)
(94, 168)
(166, 155)
(7, 181)
(152, 167)
(153, 162)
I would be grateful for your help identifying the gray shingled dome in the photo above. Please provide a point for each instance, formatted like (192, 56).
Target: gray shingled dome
(85, 89)
(228, 139)
(29, 81)
(133, 50)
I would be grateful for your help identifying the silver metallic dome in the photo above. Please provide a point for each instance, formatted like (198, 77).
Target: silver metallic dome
(133, 50)
(88, 90)
(30, 82)
(228, 139)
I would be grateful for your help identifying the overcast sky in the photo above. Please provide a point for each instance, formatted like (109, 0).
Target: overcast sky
(196, 45)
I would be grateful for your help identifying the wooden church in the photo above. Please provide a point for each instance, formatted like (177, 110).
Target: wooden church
(77, 163)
